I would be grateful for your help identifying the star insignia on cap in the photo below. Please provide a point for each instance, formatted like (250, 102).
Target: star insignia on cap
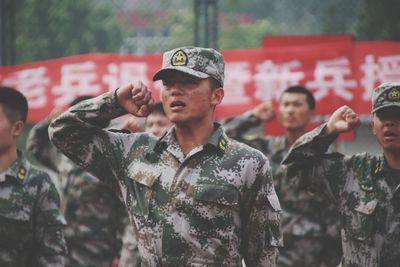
(394, 95)
(179, 58)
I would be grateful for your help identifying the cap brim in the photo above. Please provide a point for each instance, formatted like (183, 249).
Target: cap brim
(161, 74)
(386, 106)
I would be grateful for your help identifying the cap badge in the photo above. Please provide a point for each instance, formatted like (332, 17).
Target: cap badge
(179, 59)
(394, 95)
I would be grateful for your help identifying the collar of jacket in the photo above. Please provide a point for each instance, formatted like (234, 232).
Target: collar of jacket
(218, 140)
(18, 171)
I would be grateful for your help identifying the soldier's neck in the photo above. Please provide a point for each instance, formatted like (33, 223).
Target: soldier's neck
(7, 157)
(392, 159)
(293, 135)
(190, 136)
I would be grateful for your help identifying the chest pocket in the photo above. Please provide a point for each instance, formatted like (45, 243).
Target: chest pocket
(226, 195)
(140, 190)
(16, 220)
(221, 205)
(359, 222)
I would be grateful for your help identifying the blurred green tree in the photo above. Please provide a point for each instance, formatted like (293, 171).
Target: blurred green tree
(46, 29)
(378, 20)
(232, 33)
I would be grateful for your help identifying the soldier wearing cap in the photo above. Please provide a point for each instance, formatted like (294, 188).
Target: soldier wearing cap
(196, 197)
(365, 187)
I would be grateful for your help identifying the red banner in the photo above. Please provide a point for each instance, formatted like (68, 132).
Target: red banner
(337, 72)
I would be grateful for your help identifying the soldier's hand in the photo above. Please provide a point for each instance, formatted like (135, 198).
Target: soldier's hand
(54, 114)
(344, 119)
(264, 111)
(135, 98)
(133, 124)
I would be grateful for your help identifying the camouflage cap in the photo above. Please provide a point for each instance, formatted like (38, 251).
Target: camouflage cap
(386, 95)
(197, 61)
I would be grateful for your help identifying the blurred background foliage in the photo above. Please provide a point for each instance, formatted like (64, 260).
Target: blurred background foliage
(46, 29)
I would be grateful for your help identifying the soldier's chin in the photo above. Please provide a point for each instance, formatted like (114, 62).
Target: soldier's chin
(288, 125)
(291, 127)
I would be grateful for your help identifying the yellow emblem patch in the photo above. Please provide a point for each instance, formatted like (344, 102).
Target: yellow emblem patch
(222, 143)
(21, 173)
(394, 95)
(179, 59)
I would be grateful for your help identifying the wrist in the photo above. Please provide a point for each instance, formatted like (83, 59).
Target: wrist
(329, 129)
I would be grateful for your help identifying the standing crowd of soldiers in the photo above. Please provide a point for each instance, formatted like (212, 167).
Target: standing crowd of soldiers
(180, 189)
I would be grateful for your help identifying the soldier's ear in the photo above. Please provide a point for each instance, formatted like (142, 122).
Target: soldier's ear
(217, 96)
(17, 128)
(372, 126)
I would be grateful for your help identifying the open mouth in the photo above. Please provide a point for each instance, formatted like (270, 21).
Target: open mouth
(175, 104)
(390, 134)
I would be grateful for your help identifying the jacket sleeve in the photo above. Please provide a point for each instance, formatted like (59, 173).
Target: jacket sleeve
(237, 127)
(262, 222)
(316, 169)
(79, 134)
(49, 224)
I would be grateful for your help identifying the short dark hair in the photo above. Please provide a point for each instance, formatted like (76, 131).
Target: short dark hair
(80, 99)
(302, 90)
(157, 108)
(214, 84)
(14, 104)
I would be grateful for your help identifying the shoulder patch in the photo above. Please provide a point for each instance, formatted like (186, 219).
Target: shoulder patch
(250, 137)
(21, 174)
(222, 143)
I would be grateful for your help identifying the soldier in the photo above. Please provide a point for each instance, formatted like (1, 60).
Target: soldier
(365, 187)
(95, 215)
(31, 223)
(196, 197)
(309, 225)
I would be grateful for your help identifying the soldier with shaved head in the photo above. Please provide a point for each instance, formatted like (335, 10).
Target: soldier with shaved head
(31, 224)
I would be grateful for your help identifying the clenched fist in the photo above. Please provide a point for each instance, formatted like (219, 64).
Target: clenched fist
(344, 119)
(135, 98)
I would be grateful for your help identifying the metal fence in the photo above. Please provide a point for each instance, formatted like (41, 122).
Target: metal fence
(230, 24)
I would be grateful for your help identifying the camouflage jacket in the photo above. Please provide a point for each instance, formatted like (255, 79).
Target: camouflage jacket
(129, 253)
(94, 213)
(304, 216)
(212, 207)
(31, 223)
(359, 184)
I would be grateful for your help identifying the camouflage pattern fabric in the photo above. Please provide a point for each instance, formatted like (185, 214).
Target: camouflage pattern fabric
(95, 215)
(362, 187)
(212, 207)
(309, 224)
(130, 252)
(31, 223)
(196, 61)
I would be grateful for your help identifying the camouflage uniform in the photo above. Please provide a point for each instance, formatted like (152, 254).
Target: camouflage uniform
(130, 252)
(30, 219)
(95, 215)
(309, 224)
(361, 185)
(211, 207)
